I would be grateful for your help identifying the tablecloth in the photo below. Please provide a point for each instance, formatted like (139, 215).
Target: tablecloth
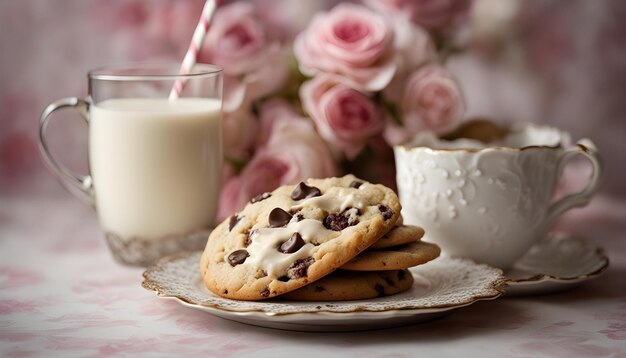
(62, 294)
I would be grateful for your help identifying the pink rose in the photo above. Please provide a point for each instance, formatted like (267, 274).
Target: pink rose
(431, 14)
(297, 144)
(272, 113)
(350, 41)
(395, 134)
(413, 45)
(239, 132)
(254, 64)
(271, 75)
(432, 101)
(236, 39)
(414, 48)
(262, 174)
(344, 117)
(293, 151)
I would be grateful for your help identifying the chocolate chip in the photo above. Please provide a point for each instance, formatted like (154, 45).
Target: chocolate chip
(260, 197)
(279, 217)
(237, 257)
(299, 217)
(386, 211)
(335, 222)
(380, 289)
(283, 278)
(303, 191)
(355, 184)
(319, 289)
(338, 222)
(292, 245)
(266, 292)
(300, 267)
(401, 275)
(233, 221)
(389, 281)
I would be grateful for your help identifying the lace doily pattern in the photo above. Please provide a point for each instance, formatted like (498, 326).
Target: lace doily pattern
(442, 284)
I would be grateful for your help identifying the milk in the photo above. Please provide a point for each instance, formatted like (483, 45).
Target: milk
(156, 164)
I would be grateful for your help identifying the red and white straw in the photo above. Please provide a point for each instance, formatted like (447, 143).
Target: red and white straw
(194, 47)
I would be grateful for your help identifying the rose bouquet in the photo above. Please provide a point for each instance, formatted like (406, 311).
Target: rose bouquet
(357, 80)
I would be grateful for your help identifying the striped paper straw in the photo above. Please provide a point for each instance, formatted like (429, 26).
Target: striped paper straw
(194, 47)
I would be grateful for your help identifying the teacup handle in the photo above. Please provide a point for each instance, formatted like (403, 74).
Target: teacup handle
(80, 185)
(588, 149)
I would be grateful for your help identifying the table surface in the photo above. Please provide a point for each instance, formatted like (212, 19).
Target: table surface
(61, 294)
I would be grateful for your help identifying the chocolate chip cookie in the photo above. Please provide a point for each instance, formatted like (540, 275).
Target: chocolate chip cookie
(295, 235)
(399, 235)
(395, 258)
(351, 285)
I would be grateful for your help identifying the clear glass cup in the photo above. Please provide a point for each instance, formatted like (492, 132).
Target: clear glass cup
(155, 162)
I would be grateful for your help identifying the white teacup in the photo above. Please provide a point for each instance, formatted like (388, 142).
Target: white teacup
(490, 204)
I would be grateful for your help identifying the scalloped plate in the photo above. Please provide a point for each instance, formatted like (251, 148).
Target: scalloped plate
(556, 263)
(440, 286)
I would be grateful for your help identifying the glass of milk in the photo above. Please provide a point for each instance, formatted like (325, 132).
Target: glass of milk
(155, 163)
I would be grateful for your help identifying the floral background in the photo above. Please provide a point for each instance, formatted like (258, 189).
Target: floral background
(555, 62)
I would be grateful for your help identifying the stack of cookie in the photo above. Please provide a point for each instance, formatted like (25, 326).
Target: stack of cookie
(326, 239)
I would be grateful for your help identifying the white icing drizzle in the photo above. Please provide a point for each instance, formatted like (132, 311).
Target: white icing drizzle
(353, 215)
(336, 201)
(264, 252)
(263, 249)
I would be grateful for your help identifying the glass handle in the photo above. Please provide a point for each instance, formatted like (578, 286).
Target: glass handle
(80, 185)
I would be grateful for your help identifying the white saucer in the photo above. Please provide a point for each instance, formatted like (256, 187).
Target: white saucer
(557, 263)
(440, 286)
